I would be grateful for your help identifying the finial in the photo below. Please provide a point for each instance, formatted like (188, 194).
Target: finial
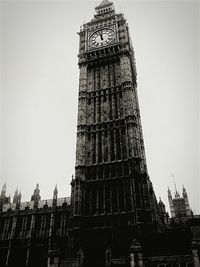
(16, 191)
(55, 189)
(20, 195)
(169, 193)
(104, 2)
(176, 192)
(4, 187)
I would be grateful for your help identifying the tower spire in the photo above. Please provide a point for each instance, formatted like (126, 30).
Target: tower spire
(105, 3)
(55, 192)
(187, 205)
(36, 195)
(177, 195)
(55, 196)
(3, 191)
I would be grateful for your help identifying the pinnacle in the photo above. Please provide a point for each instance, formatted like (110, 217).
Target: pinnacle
(104, 3)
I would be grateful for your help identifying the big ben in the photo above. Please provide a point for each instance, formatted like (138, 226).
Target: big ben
(113, 201)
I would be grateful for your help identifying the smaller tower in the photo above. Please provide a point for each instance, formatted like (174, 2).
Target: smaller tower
(3, 198)
(55, 196)
(179, 206)
(177, 195)
(20, 196)
(36, 196)
(161, 206)
(3, 191)
(171, 203)
(17, 198)
(187, 206)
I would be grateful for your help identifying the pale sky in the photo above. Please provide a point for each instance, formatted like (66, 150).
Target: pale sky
(39, 91)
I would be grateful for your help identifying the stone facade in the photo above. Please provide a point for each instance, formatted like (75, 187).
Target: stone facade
(30, 232)
(112, 197)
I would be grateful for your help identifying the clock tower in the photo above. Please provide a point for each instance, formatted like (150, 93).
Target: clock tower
(112, 198)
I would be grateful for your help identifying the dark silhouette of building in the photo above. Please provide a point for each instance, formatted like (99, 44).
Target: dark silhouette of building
(112, 217)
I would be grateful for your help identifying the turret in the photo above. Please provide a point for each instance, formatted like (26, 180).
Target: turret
(17, 197)
(36, 196)
(187, 206)
(3, 191)
(3, 198)
(171, 203)
(179, 205)
(161, 206)
(55, 196)
(20, 196)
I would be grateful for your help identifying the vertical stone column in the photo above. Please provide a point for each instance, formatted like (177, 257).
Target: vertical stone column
(111, 75)
(132, 195)
(104, 203)
(14, 222)
(79, 258)
(125, 195)
(121, 143)
(97, 108)
(51, 226)
(8, 253)
(94, 147)
(195, 256)
(114, 143)
(113, 105)
(79, 196)
(136, 257)
(117, 188)
(108, 257)
(110, 195)
(103, 143)
(108, 145)
(90, 200)
(97, 147)
(28, 252)
(132, 140)
(32, 225)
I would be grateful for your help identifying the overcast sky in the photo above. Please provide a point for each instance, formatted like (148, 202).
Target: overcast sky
(39, 71)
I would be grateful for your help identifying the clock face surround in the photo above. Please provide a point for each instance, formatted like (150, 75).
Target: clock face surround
(101, 37)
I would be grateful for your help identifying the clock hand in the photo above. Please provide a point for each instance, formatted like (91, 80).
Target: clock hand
(101, 36)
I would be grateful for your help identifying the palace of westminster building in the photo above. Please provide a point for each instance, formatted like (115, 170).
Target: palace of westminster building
(112, 217)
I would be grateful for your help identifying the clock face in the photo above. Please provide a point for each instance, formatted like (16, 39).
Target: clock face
(101, 38)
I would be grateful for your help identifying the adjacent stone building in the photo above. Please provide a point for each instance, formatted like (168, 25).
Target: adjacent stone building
(179, 205)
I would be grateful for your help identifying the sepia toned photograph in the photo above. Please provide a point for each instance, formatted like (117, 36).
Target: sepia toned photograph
(99, 133)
